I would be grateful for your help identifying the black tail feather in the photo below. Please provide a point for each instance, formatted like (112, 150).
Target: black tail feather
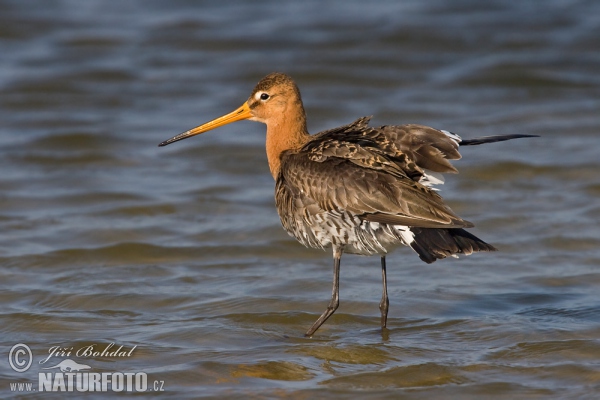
(433, 243)
(492, 139)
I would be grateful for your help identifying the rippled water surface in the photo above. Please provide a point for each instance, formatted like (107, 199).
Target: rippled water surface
(106, 238)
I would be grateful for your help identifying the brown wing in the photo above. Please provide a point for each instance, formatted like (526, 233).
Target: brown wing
(416, 147)
(375, 189)
(428, 147)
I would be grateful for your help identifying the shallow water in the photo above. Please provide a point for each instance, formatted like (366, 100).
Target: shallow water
(104, 237)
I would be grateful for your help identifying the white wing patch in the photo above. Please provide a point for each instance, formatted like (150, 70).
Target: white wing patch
(407, 236)
(431, 178)
(452, 136)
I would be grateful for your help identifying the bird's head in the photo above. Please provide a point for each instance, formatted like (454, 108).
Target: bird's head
(274, 101)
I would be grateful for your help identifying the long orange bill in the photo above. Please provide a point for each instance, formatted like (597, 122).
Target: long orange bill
(241, 113)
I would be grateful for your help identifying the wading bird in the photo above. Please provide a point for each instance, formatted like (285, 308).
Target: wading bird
(357, 189)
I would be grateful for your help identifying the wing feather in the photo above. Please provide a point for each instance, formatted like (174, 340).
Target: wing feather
(414, 147)
(385, 194)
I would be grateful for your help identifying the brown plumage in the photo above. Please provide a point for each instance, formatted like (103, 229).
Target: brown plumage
(356, 188)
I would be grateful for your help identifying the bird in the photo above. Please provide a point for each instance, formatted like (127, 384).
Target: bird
(357, 189)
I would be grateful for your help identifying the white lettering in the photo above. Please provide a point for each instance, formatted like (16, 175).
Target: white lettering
(118, 382)
(57, 351)
(70, 376)
(45, 381)
(90, 382)
(59, 383)
(105, 380)
(129, 376)
(141, 382)
(82, 382)
(94, 382)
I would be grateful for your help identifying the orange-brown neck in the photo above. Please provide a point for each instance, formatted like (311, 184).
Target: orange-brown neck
(285, 132)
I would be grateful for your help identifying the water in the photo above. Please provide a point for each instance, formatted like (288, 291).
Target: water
(104, 237)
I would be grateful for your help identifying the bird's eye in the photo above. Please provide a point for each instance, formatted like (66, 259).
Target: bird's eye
(264, 96)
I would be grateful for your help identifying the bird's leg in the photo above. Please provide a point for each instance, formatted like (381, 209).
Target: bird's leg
(385, 302)
(335, 295)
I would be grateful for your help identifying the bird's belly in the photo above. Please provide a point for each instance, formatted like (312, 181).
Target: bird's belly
(342, 229)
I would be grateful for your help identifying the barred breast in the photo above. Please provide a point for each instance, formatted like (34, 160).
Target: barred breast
(303, 219)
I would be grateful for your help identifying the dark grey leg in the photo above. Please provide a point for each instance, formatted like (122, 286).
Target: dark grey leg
(385, 302)
(335, 296)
